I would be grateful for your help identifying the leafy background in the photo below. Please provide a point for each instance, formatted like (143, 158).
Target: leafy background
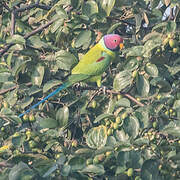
(129, 131)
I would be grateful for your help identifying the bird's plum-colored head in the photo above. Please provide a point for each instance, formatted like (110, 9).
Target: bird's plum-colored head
(113, 42)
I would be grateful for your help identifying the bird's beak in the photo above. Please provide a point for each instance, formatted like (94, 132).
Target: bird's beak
(121, 46)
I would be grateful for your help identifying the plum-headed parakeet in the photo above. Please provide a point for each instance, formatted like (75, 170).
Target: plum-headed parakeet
(91, 66)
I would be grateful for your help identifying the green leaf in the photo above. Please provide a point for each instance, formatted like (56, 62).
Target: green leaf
(142, 114)
(66, 170)
(121, 136)
(123, 102)
(142, 85)
(47, 122)
(151, 69)
(59, 162)
(9, 58)
(159, 26)
(134, 51)
(107, 5)
(16, 39)
(113, 27)
(111, 105)
(38, 75)
(95, 169)
(84, 152)
(138, 18)
(162, 84)
(149, 170)
(89, 8)
(18, 141)
(174, 69)
(154, 3)
(50, 171)
(77, 163)
(65, 60)
(141, 141)
(132, 64)
(173, 129)
(5, 76)
(131, 126)
(129, 158)
(51, 84)
(103, 116)
(26, 102)
(96, 137)
(19, 171)
(111, 141)
(176, 105)
(151, 45)
(62, 116)
(33, 90)
(122, 80)
(57, 25)
(83, 38)
(36, 42)
(171, 26)
(75, 3)
(61, 12)
(19, 66)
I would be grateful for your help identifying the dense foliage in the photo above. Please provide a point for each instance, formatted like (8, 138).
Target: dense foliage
(130, 130)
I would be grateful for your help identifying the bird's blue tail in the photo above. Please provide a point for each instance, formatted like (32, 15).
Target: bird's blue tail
(63, 86)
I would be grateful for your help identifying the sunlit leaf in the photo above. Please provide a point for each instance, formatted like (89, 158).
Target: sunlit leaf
(107, 5)
(96, 137)
(122, 80)
(89, 8)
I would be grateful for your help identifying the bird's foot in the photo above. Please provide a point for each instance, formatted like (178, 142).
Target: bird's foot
(103, 89)
(77, 86)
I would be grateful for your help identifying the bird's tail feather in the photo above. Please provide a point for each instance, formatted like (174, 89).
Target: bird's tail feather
(63, 86)
(71, 80)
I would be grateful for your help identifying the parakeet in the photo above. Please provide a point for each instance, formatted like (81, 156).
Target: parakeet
(91, 66)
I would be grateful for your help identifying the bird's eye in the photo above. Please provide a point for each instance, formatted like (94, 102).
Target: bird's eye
(115, 40)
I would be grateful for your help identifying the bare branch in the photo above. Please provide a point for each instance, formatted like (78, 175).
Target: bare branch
(2, 51)
(39, 29)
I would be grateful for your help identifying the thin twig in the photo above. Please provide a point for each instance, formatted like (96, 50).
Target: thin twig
(114, 92)
(39, 29)
(5, 164)
(2, 51)
(6, 7)
(26, 36)
(28, 7)
(12, 88)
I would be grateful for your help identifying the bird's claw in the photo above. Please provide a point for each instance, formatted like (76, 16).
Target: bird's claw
(103, 89)
(77, 86)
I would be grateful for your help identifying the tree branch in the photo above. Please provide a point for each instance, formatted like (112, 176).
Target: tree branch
(36, 5)
(6, 7)
(39, 29)
(113, 92)
(26, 36)
(3, 91)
